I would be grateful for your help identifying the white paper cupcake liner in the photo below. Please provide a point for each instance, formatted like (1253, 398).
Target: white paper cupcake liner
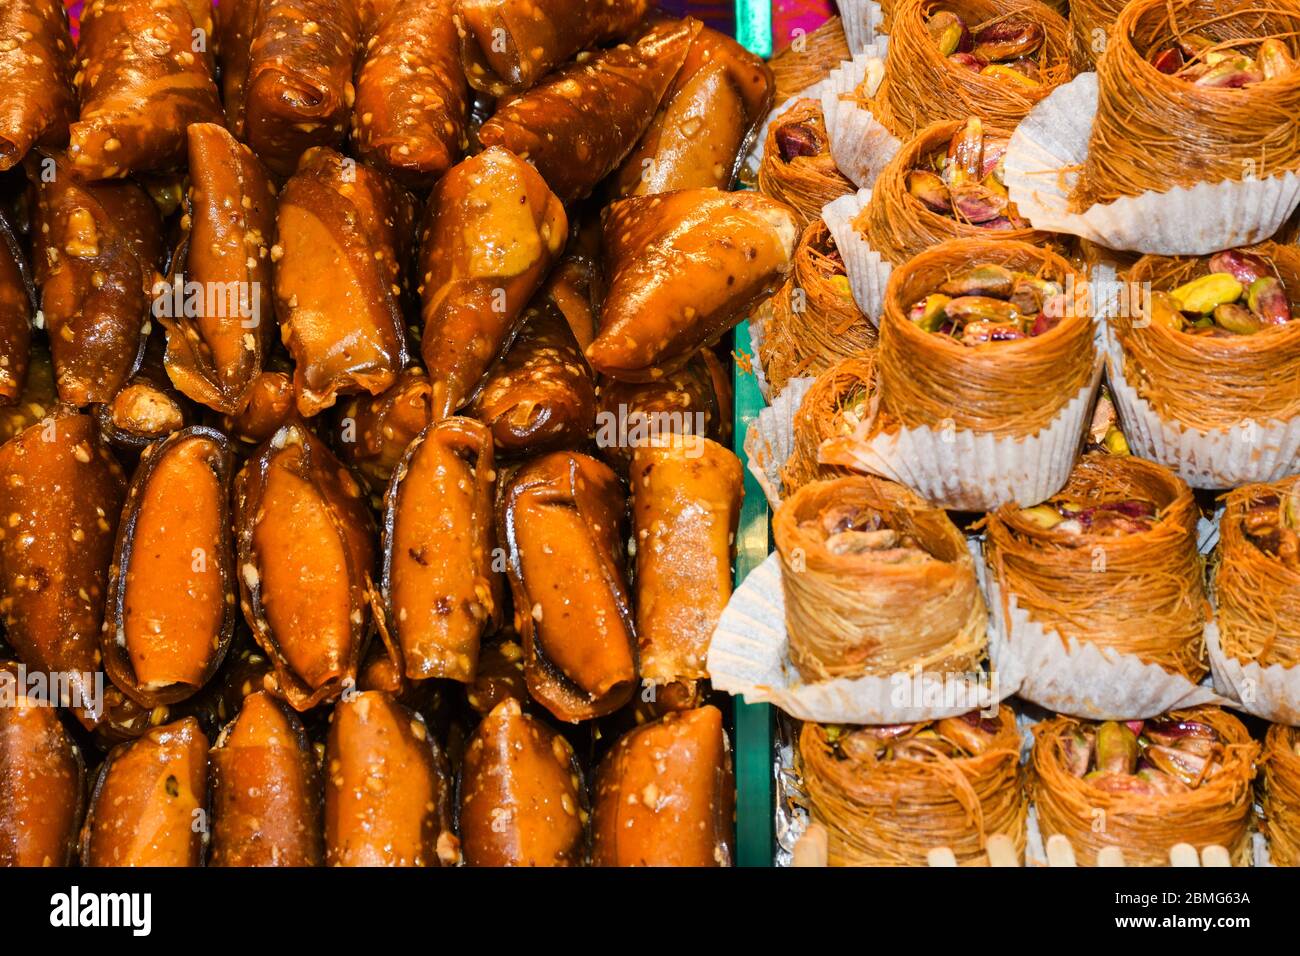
(1080, 678)
(977, 471)
(1044, 161)
(867, 270)
(860, 145)
(750, 655)
(1271, 692)
(863, 21)
(1223, 458)
(769, 440)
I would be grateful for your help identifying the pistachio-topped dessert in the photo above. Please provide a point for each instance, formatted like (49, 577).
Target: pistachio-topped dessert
(953, 737)
(1148, 757)
(1225, 65)
(858, 529)
(1240, 295)
(1105, 518)
(991, 303)
(1002, 47)
(966, 182)
(1270, 524)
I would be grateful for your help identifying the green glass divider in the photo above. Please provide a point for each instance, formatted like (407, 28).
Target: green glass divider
(754, 784)
(754, 26)
(754, 722)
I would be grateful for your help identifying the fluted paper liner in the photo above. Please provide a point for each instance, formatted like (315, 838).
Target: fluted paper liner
(862, 21)
(867, 270)
(1077, 677)
(769, 440)
(972, 471)
(1250, 452)
(1271, 692)
(860, 144)
(750, 656)
(1047, 153)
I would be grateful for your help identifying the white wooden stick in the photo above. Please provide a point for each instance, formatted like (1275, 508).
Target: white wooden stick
(941, 856)
(813, 848)
(1110, 856)
(1215, 856)
(1002, 851)
(1183, 854)
(1059, 851)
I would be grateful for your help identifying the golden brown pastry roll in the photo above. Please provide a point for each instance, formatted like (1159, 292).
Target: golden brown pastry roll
(508, 45)
(707, 120)
(306, 556)
(560, 519)
(580, 123)
(15, 317)
(60, 500)
(236, 23)
(439, 587)
(38, 395)
(574, 288)
(500, 674)
(171, 597)
(147, 408)
(387, 796)
(372, 431)
(692, 400)
(412, 101)
(270, 405)
(665, 795)
(686, 493)
(684, 268)
(148, 802)
(144, 74)
(491, 232)
(217, 339)
(42, 779)
(298, 90)
(540, 396)
(521, 795)
(266, 790)
(97, 251)
(36, 75)
(344, 233)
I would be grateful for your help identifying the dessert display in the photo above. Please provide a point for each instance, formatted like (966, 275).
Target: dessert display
(381, 381)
